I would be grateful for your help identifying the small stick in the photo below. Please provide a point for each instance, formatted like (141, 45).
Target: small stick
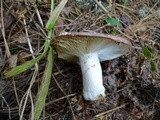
(3, 32)
(114, 109)
(9, 110)
(102, 7)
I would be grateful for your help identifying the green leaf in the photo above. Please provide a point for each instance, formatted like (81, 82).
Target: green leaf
(113, 22)
(153, 66)
(43, 89)
(55, 14)
(124, 2)
(147, 53)
(105, 4)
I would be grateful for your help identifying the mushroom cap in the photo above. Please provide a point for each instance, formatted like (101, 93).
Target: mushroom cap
(71, 45)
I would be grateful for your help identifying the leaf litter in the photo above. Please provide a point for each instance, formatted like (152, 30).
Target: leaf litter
(132, 88)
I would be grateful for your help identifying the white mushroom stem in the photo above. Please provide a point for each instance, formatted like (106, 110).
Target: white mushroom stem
(93, 88)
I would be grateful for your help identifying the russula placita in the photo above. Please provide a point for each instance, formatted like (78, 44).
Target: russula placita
(89, 49)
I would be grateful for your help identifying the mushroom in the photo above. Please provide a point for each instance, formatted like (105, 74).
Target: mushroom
(89, 49)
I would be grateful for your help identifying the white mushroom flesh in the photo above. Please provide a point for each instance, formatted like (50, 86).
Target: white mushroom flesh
(93, 88)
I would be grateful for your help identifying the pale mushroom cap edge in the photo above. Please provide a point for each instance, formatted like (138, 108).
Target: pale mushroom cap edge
(71, 45)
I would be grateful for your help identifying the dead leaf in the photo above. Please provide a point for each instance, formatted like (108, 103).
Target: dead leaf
(126, 20)
(12, 61)
(74, 100)
(21, 59)
(66, 10)
(19, 37)
(111, 79)
(137, 113)
(58, 28)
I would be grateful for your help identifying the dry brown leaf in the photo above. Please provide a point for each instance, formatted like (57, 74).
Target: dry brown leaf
(21, 13)
(58, 28)
(22, 60)
(19, 37)
(12, 61)
(137, 113)
(66, 10)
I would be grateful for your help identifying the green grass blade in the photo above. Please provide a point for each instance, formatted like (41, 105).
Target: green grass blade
(43, 90)
(52, 6)
(55, 14)
(21, 68)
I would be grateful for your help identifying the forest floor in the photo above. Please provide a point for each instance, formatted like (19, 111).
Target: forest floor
(132, 82)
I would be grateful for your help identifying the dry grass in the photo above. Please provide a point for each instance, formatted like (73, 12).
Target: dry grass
(132, 89)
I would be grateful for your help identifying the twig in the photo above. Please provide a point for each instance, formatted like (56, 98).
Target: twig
(25, 97)
(114, 109)
(58, 99)
(28, 93)
(127, 8)
(3, 32)
(9, 110)
(39, 16)
(102, 7)
(15, 90)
